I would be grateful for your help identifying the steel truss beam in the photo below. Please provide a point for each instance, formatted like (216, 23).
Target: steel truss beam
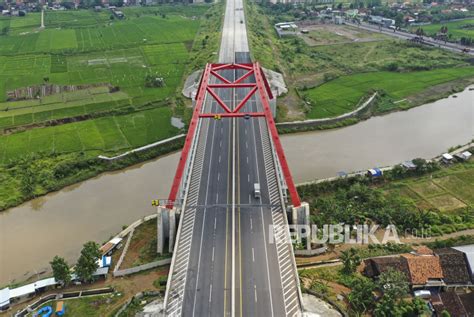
(264, 92)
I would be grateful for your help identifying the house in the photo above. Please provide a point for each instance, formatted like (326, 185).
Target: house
(110, 246)
(105, 261)
(376, 266)
(454, 266)
(409, 165)
(4, 299)
(464, 156)
(424, 268)
(468, 251)
(447, 158)
(450, 302)
(21, 293)
(374, 172)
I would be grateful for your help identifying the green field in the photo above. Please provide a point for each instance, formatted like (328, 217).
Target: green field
(82, 47)
(446, 191)
(334, 66)
(107, 134)
(342, 95)
(457, 29)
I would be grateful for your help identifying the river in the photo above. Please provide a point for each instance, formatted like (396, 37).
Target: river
(59, 223)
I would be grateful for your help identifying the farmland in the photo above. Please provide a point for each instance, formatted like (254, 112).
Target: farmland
(342, 95)
(439, 198)
(456, 29)
(80, 87)
(331, 69)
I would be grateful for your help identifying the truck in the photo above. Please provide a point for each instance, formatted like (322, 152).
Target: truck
(256, 190)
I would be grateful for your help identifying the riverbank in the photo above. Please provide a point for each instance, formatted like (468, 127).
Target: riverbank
(326, 81)
(432, 197)
(126, 194)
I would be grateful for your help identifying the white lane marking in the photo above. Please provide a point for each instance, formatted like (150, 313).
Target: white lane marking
(222, 130)
(215, 223)
(251, 224)
(246, 144)
(217, 198)
(248, 178)
(219, 158)
(218, 176)
(213, 248)
(250, 198)
(220, 143)
(246, 131)
(204, 220)
(210, 293)
(263, 225)
(247, 159)
(253, 254)
(255, 291)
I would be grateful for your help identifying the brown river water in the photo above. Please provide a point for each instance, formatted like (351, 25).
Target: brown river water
(59, 223)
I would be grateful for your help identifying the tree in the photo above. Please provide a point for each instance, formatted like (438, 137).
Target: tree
(445, 313)
(394, 284)
(399, 21)
(60, 270)
(350, 260)
(87, 263)
(361, 296)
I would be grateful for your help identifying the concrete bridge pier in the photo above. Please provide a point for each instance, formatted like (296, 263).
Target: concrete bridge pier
(166, 229)
(300, 216)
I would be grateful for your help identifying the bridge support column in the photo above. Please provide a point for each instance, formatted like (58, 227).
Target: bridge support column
(166, 229)
(172, 231)
(300, 216)
(160, 229)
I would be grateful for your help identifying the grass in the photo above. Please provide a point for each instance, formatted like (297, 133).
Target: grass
(142, 247)
(343, 94)
(88, 306)
(108, 134)
(334, 78)
(456, 29)
(59, 137)
(447, 190)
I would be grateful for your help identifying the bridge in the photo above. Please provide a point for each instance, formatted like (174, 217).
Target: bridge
(231, 254)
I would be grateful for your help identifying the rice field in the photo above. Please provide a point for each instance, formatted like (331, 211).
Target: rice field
(83, 47)
(108, 134)
(446, 191)
(342, 95)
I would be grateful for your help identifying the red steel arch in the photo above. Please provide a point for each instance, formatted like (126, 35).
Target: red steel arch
(264, 93)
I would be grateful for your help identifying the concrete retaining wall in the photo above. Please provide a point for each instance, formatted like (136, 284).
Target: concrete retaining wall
(319, 122)
(143, 267)
(143, 148)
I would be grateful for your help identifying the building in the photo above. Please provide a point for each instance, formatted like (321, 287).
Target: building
(454, 266)
(8, 296)
(376, 266)
(424, 268)
(450, 302)
(468, 251)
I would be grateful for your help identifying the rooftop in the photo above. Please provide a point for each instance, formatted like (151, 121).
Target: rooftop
(423, 268)
(454, 266)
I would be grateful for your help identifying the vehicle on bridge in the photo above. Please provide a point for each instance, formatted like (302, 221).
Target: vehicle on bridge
(256, 190)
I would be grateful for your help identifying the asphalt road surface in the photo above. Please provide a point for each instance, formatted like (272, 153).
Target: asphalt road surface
(224, 261)
(405, 36)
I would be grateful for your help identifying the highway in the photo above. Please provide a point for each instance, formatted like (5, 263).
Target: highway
(406, 36)
(224, 263)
